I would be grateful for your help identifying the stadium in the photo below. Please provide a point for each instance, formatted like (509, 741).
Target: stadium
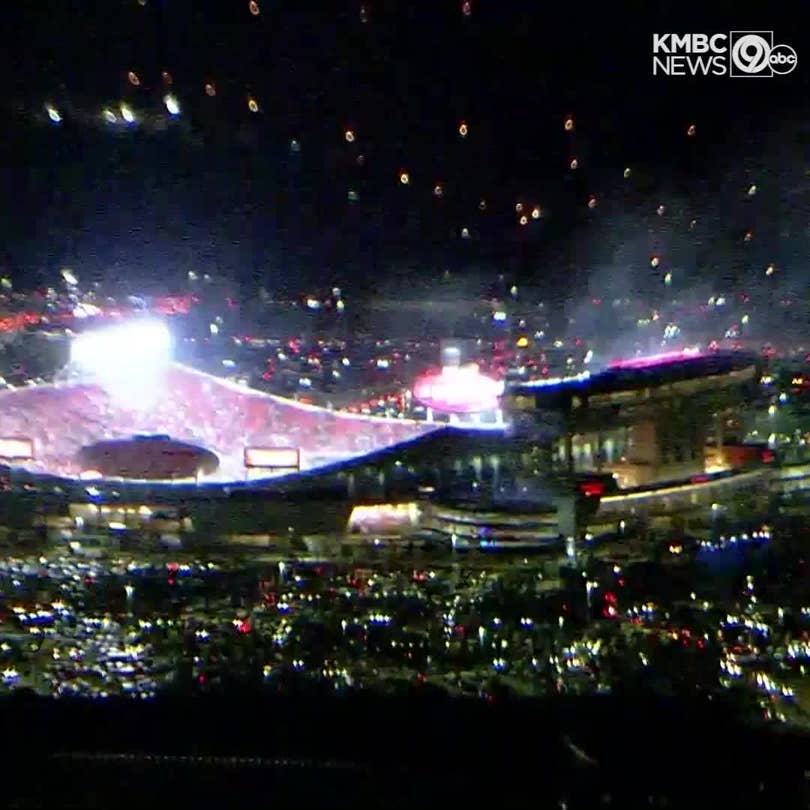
(125, 424)
(123, 411)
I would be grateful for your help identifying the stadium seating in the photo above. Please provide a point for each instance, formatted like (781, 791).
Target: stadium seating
(193, 407)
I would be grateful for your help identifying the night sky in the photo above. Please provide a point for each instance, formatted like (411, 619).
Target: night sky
(280, 197)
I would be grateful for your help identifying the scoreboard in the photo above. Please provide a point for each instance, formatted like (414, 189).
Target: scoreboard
(16, 449)
(273, 458)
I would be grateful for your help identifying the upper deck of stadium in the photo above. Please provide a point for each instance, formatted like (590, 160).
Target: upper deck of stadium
(684, 372)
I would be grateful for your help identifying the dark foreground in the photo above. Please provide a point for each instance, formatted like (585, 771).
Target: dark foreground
(578, 752)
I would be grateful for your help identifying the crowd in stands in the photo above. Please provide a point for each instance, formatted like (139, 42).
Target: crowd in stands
(192, 407)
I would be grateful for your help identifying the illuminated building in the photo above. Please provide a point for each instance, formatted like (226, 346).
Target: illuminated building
(645, 420)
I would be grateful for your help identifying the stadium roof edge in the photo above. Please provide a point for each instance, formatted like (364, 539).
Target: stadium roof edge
(617, 377)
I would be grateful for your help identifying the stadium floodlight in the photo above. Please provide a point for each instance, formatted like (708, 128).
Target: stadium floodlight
(127, 359)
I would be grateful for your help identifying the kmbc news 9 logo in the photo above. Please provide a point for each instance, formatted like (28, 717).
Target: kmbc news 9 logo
(736, 54)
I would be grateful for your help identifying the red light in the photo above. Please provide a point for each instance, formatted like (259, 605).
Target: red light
(698, 479)
(592, 488)
(767, 456)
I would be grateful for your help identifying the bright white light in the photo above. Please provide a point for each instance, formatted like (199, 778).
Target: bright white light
(109, 116)
(69, 276)
(144, 343)
(172, 104)
(53, 114)
(127, 114)
(86, 311)
(550, 382)
(127, 359)
(459, 389)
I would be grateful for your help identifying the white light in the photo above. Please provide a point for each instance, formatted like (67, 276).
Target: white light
(53, 114)
(172, 105)
(69, 277)
(109, 116)
(85, 311)
(143, 343)
(552, 381)
(127, 114)
(127, 359)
